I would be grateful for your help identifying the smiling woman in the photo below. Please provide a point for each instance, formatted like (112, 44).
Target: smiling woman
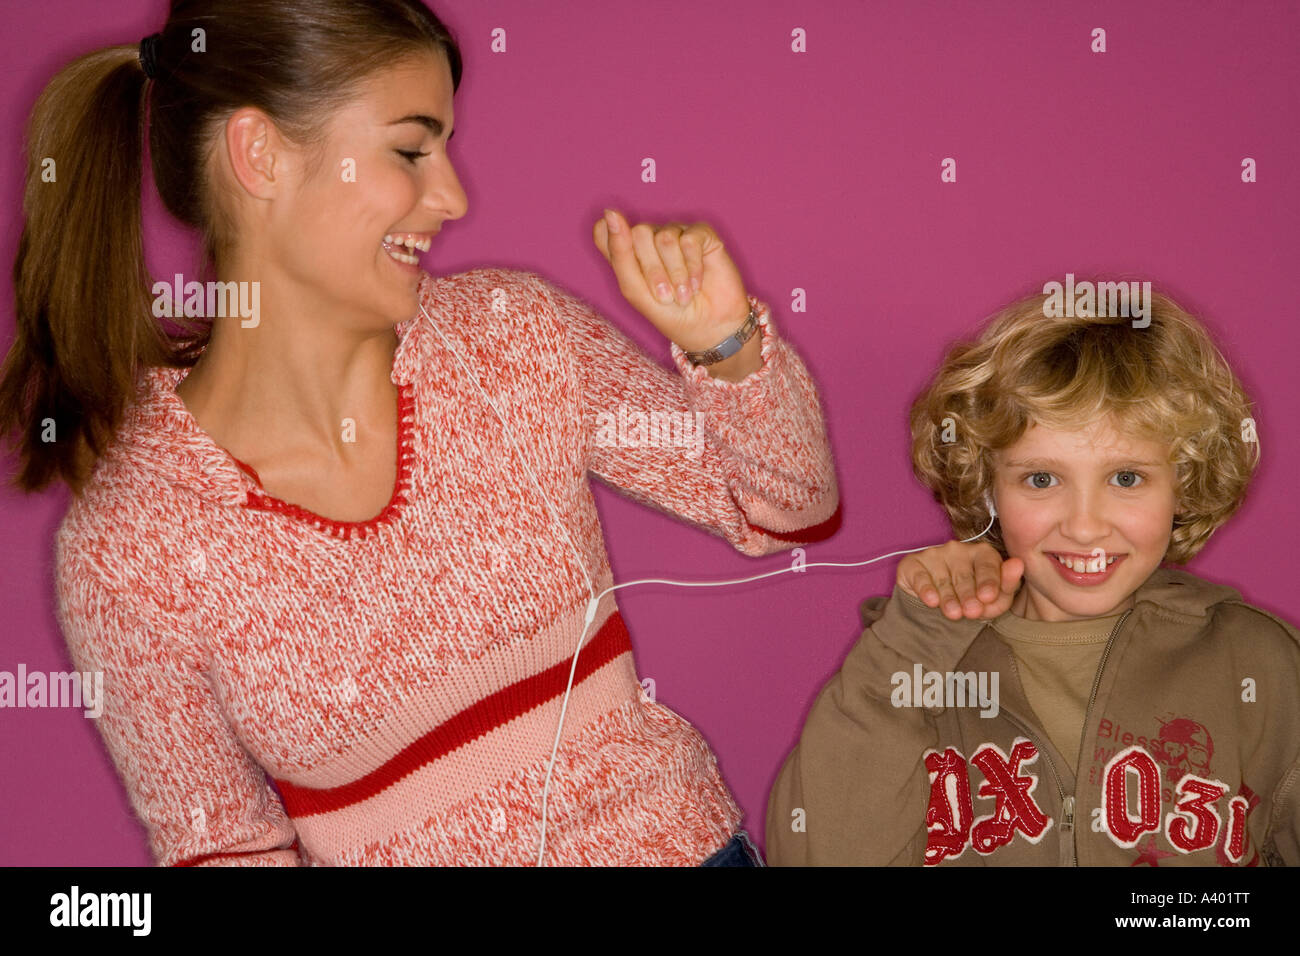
(333, 564)
(250, 109)
(328, 231)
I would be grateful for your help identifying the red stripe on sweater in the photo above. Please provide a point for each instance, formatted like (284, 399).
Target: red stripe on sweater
(471, 723)
(817, 532)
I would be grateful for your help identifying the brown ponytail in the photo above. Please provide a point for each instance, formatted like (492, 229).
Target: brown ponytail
(80, 287)
(83, 316)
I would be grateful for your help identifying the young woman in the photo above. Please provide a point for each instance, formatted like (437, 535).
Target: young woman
(333, 549)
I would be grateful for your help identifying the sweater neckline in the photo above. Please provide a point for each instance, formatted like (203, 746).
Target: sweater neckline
(261, 500)
(162, 435)
(1061, 633)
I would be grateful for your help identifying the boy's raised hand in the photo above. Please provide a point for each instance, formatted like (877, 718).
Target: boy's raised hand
(969, 579)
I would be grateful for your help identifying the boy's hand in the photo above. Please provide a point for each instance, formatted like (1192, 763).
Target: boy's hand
(968, 579)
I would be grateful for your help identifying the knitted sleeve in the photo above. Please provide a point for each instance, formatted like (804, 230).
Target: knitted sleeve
(746, 460)
(200, 796)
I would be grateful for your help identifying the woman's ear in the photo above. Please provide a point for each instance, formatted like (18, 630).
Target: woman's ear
(251, 148)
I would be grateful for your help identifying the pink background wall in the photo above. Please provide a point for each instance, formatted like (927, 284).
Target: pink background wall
(820, 171)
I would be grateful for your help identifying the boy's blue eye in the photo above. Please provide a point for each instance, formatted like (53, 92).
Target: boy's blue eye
(1042, 480)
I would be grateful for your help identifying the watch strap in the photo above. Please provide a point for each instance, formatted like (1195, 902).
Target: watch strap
(728, 346)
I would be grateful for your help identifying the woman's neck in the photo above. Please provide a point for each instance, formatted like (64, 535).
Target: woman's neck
(258, 391)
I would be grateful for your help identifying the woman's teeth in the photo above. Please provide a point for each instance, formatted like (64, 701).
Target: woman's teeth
(1084, 565)
(392, 244)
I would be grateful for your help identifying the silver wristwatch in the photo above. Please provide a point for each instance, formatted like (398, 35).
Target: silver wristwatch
(728, 346)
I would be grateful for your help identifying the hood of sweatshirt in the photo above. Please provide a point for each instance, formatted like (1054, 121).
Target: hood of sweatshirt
(910, 632)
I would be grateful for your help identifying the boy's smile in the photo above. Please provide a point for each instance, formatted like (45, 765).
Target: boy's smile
(1089, 511)
(1085, 570)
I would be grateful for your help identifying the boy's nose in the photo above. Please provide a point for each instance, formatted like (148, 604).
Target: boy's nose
(1086, 520)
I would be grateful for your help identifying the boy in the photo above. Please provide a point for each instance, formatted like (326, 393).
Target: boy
(1119, 713)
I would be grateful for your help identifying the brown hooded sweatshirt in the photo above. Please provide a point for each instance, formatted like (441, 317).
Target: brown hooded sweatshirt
(1189, 755)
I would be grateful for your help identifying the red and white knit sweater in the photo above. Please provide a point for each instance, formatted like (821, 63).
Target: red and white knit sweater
(400, 679)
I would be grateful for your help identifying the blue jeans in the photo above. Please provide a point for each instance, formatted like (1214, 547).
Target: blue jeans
(739, 851)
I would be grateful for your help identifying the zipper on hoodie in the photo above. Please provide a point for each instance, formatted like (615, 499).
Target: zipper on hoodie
(1096, 681)
(1087, 716)
(1069, 852)
(1067, 816)
(1067, 802)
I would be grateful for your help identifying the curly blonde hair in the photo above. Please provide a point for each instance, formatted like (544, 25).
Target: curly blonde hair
(1165, 382)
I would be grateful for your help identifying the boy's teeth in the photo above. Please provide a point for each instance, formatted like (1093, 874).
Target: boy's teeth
(1084, 565)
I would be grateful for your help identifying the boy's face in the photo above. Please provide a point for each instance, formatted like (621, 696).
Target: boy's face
(1071, 493)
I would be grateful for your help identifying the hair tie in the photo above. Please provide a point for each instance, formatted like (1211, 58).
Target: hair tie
(149, 54)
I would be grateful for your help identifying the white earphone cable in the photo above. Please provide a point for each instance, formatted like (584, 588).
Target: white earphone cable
(594, 602)
(582, 565)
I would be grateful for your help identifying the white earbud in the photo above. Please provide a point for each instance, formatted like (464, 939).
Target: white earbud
(988, 501)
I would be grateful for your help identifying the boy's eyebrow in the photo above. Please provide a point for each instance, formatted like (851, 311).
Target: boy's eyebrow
(431, 123)
(1053, 463)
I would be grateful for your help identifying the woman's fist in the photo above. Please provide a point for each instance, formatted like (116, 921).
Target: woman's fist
(679, 277)
(967, 579)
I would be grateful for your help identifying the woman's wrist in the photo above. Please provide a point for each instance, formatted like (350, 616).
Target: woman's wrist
(736, 367)
(736, 356)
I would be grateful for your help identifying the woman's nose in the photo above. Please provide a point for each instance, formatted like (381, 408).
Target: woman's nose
(447, 194)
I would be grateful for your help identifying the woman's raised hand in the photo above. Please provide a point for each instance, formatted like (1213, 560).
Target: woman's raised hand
(969, 579)
(679, 277)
